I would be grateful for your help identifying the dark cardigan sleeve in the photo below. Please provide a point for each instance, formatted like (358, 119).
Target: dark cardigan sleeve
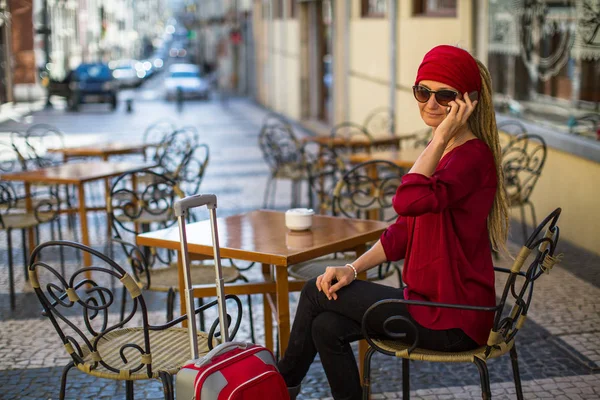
(418, 194)
(394, 240)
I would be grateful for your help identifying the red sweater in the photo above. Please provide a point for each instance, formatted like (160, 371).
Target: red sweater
(441, 232)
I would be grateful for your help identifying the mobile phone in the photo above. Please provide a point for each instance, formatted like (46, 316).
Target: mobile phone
(474, 95)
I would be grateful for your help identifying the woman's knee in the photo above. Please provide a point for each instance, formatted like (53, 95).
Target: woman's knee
(310, 289)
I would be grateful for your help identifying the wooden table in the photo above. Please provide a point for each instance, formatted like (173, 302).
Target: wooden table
(402, 158)
(102, 150)
(354, 142)
(261, 236)
(73, 174)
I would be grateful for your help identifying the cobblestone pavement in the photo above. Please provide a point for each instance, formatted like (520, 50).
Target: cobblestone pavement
(559, 348)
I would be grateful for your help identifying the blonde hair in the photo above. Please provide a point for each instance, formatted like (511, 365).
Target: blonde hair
(483, 125)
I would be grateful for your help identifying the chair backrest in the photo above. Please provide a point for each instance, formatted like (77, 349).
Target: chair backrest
(325, 168)
(280, 147)
(10, 158)
(275, 119)
(366, 191)
(522, 162)
(350, 131)
(158, 131)
(45, 204)
(192, 169)
(133, 201)
(510, 128)
(380, 121)
(539, 252)
(83, 306)
(175, 147)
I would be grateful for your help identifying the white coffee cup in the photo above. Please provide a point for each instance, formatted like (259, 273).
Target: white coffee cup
(299, 219)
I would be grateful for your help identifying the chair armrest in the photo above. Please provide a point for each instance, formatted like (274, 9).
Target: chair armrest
(211, 334)
(436, 304)
(508, 271)
(411, 324)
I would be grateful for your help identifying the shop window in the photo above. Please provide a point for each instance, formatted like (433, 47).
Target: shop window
(434, 8)
(373, 8)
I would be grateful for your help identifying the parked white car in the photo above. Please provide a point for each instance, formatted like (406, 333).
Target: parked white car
(187, 78)
(128, 73)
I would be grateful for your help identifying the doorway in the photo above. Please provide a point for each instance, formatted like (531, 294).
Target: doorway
(320, 61)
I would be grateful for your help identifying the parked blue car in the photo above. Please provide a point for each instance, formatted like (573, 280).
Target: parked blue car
(88, 83)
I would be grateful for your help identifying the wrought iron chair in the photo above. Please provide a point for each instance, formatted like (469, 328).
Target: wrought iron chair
(134, 208)
(286, 159)
(190, 173)
(81, 308)
(541, 245)
(13, 215)
(274, 119)
(324, 168)
(380, 121)
(510, 128)
(522, 162)
(364, 191)
(34, 143)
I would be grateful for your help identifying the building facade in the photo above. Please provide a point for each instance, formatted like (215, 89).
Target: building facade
(322, 62)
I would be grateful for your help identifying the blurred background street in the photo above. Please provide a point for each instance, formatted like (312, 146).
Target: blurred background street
(117, 72)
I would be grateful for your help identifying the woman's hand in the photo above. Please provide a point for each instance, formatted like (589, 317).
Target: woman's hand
(459, 112)
(339, 276)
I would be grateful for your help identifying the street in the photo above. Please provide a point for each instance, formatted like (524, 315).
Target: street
(32, 357)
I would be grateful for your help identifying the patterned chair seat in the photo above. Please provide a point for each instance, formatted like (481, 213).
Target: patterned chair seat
(170, 350)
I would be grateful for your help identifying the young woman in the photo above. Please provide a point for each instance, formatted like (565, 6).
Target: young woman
(451, 208)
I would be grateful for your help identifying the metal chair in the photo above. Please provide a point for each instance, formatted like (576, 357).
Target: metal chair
(34, 143)
(364, 191)
(286, 159)
(522, 162)
(510, 128)
(135, 207)
(380, 121)
(13, 215)
(518, 288)
(81, 308)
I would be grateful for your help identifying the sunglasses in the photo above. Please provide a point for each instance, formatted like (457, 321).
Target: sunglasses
(443, 97)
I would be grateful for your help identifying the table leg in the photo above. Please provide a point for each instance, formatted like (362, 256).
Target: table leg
(362, 344)
(266, 270)
(283, 307)
(108, 215)
(85, 238)
(29, 208)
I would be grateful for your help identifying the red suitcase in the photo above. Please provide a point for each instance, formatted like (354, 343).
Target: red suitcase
(232, 370)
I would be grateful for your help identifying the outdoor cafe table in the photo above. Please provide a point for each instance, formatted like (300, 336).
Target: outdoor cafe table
(73, 174)
(355, 143)
(102, 150)
(261, 236)
(403, 158)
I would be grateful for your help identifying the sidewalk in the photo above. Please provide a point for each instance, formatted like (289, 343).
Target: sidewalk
(559, 346)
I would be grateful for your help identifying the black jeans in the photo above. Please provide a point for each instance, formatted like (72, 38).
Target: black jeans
(329, 326)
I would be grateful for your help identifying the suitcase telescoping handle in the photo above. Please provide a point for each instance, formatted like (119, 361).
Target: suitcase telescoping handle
(181, 208)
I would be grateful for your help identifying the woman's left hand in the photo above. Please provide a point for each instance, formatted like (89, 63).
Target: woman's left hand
(458, 115)
(343, 276)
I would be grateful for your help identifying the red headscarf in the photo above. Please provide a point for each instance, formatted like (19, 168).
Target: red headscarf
(452, 66)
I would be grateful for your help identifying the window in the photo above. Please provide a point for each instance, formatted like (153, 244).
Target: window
(435, 8)
(373, 8)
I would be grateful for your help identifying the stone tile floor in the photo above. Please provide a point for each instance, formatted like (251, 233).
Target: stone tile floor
(559, 347)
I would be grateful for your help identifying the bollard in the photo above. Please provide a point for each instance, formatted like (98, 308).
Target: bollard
(129, 105)
(179, 99)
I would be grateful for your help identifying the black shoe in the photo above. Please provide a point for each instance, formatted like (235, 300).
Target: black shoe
(293, 392)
